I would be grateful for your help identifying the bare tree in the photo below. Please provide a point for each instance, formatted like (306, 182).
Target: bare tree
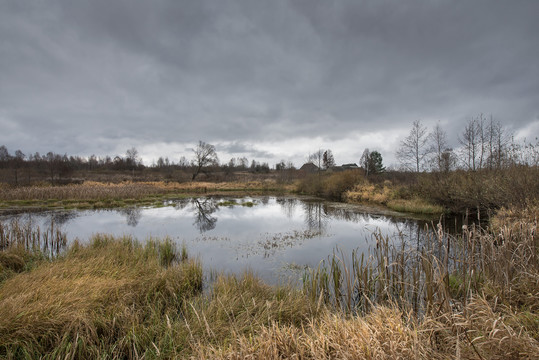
(448, 160)
(328, 159)
(413, 150)
(531, 153)
(183, 163)
(498, 140)
(131, 157)
(4, 154)
(205, 155)
(438, 148)
(18, 162)
(474, 141)
(317, 158)
(364, 162)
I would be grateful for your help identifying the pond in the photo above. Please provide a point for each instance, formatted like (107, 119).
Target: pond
(275, 237)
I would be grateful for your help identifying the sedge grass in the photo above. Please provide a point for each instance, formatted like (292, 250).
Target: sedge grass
(110, 297)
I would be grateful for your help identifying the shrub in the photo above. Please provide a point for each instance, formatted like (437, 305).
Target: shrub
(337, 184)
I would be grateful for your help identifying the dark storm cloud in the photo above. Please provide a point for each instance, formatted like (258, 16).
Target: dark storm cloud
(101, 76)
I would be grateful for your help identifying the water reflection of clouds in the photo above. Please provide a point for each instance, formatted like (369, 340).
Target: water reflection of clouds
(167, 212)
(272, 232)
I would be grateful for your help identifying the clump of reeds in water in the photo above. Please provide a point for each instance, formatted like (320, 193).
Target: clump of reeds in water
(29, 237)
(434, 275)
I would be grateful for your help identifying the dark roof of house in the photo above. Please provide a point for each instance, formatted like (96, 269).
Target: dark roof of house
(309, 167)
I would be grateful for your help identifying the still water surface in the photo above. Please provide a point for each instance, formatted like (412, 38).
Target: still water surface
(275, 237)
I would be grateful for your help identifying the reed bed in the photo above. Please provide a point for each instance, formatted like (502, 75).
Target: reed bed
(477, 295)
(26, 236)
(99, 195)
(433, 275)
(85, 191)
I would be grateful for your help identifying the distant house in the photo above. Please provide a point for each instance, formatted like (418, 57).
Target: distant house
(309, 167)
(350, 166)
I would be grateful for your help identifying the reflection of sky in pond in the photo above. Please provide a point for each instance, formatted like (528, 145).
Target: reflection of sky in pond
(276, 233)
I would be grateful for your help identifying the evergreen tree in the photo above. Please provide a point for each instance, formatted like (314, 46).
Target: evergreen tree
(375, 163)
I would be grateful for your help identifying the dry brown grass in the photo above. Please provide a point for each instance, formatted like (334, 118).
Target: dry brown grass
(90, 190)
(515, 217)
(367, 192)
(482, 329)
(388, 194)
(383, 334)
(476, 332)
(85, 191)
(93, 300)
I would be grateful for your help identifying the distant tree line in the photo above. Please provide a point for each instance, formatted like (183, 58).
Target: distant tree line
(56, 167)
(482, 144)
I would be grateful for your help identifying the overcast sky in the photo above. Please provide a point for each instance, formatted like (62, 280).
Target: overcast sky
(267, 80)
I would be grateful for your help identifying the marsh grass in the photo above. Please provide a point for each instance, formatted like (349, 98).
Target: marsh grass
(390, 195)
(416, 206)
(432, 274)
(95, 195)
(110, 298)
(477, 293)
(117, 298)
(26, 237)
(469, 297)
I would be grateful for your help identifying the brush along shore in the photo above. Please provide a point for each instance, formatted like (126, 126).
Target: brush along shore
(119, 298)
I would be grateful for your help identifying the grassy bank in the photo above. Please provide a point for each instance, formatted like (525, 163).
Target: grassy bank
(472, 297)
(353, 187)
(110, 297)
(390, 195)
(109, 195)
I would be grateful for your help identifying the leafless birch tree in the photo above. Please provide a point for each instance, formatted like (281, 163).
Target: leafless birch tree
(413, 150)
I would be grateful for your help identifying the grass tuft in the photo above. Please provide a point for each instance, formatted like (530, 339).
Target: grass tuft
(111, 297)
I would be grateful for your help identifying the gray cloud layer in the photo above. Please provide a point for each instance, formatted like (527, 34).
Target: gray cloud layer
(268, 77)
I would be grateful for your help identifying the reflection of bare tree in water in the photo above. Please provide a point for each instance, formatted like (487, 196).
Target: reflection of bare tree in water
(181, 203)
(204, 208)
(316, 217)
(62, 217)
(132, 215)
(288, 205)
